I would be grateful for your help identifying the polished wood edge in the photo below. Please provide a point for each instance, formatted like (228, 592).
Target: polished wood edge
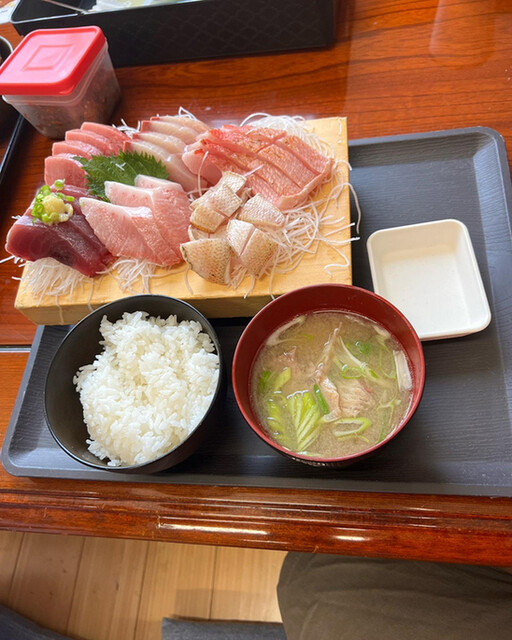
(452, 529)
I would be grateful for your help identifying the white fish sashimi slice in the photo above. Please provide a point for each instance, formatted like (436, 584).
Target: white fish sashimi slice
(170, 129)
(238, 234)
(192, 123)
(120, 228)
(172, 144)
(235, 181)
(160, 233)
(206, 219)
(197, 234)
(210, 258)
(261, 213)
(221, 198)
(172, 162)
(258, 252)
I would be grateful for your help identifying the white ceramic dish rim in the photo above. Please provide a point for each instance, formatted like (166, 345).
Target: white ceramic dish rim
(475, 275)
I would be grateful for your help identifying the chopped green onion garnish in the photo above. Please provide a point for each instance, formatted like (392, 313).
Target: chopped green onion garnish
(322, 403)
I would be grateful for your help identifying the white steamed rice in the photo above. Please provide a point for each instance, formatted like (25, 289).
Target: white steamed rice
(148, 389)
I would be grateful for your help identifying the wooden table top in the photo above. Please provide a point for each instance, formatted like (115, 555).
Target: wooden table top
(397, 67)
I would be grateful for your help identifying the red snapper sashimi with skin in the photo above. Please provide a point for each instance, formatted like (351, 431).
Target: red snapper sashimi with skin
(281, 167)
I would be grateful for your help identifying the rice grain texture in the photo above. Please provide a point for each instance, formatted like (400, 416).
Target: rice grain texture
(148, 389)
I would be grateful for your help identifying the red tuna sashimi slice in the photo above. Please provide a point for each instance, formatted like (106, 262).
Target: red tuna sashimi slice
(191, 123)
(106, 146)
(115, 136)
(171, 207)
(172, 144)
(71, 243)
(173, 163)
(81, 226)
(75, 148)
(121, 229)
(161, 241)
(64, 167)
(170, 129)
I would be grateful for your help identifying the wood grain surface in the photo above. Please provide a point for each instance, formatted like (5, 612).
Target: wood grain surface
(217, 300)
(397, 67)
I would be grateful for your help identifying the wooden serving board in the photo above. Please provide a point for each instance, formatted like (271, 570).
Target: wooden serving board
(211, 299)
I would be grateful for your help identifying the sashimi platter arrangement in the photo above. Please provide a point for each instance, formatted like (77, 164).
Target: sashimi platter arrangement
(225, 218)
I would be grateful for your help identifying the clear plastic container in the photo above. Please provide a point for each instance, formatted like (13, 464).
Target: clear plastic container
(59, 78)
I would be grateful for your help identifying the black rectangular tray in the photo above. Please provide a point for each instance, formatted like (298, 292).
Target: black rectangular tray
(460, 439)
(195, 29)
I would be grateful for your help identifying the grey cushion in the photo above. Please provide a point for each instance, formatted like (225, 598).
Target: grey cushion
(213, 630)
(335, 598)
(13, 626)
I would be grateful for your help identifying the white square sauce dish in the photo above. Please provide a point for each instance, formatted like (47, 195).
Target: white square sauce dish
(429, 271)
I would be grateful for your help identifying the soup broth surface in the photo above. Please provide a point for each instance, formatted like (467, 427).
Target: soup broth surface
(330, 384)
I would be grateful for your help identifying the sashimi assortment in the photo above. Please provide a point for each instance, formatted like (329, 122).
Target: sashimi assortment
(218, 201)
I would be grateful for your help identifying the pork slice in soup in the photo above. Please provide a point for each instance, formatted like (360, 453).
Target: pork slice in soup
(330, 384)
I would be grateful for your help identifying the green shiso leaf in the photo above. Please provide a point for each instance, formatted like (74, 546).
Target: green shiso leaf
(122, 167)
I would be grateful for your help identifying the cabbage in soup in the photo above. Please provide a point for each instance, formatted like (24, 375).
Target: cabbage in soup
(330, 384)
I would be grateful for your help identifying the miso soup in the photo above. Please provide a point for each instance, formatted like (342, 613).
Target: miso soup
(330, 384)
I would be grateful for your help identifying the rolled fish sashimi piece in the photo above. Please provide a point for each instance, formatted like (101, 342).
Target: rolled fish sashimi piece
(210, 258)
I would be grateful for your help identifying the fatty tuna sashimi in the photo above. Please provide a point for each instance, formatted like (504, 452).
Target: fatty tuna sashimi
(106, 146)
(162, 240)
(71, 243)
(186, 134)
(172, 144)
(64, 167)
(172, 161)
(171, 207)
(75, 148)
(121, 229)
(210, 258)
(112, 134)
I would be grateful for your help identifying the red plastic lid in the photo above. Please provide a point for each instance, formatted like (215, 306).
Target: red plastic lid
(50, 62)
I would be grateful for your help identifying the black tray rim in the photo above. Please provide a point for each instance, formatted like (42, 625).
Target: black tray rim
(315, 484)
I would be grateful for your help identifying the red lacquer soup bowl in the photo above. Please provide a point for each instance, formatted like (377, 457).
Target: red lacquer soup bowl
(324, 297)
